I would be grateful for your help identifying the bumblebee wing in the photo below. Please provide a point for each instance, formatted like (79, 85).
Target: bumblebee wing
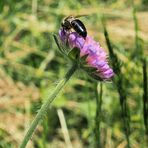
(73, 16)
(82, 15)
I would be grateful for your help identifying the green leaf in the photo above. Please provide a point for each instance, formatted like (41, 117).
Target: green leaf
(1, 5)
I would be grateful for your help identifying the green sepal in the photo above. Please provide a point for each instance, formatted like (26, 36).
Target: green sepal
(60, 45)
(74, 54)
(57, 42)
(94, 76)
(89, 69)
(83, 59)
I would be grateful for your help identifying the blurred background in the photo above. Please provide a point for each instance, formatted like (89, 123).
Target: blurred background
(31, 66)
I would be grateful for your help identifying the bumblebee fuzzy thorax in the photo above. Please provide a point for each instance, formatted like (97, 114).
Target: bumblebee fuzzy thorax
(74, 23)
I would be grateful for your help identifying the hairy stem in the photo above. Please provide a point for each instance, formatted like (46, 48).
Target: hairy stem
(46, 104)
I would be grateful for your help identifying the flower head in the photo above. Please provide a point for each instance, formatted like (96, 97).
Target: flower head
(96, 57)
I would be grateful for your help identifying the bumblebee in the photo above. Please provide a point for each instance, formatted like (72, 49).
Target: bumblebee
(72, 22)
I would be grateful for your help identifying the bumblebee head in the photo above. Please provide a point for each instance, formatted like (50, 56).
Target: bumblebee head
(66, 24)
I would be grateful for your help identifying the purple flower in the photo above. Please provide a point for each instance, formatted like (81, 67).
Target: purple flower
(96, 55)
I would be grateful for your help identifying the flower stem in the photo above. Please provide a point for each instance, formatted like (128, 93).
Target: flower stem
(98, 115)
(46, 104)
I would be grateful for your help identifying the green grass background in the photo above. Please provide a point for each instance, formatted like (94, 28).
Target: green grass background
(31, 66)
